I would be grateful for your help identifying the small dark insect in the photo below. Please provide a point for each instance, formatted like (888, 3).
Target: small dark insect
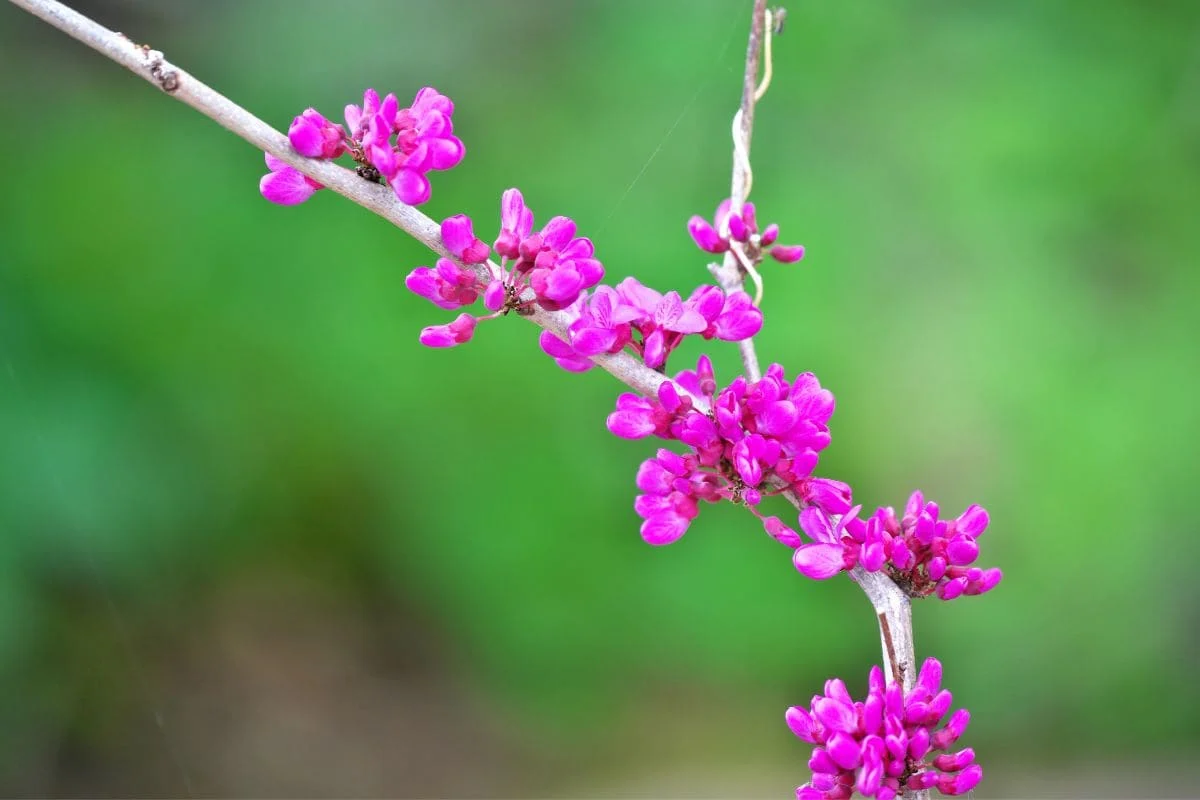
(367, 172)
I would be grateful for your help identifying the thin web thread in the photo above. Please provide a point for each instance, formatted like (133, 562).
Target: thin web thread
(703, 84)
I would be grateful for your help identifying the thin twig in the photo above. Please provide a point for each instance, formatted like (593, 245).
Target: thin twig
(729, 274)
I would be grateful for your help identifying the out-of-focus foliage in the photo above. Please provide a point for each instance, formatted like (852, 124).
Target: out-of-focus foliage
(224, 454)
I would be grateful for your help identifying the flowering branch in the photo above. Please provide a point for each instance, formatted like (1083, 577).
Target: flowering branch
(760, 435)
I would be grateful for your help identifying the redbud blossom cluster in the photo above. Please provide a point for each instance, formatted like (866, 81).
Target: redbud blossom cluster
(553, 265)
(922, 554)
(741, 228)
(885, 745)
(397, 145)
(761, 432)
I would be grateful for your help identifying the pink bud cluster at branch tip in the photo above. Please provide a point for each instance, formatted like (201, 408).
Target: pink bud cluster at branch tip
(397, 145)
(727, 227)
(757, 434)
(649, 323)
(885, 745)
(922, 554)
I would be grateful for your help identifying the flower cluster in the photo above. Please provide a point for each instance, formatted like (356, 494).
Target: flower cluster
(884, 745)
(922, 554)
(766, 432)
(397, 145)
(607, 321)
(554, 264)
(727, 227)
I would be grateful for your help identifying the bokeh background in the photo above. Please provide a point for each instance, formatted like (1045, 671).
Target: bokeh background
(255, 541)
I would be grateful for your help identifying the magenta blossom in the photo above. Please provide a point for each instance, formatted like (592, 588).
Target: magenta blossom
(757, 435)
(397, 145)
(284, 185)
(551, 269)
(743, 228)
(885, 745)
(922, 554)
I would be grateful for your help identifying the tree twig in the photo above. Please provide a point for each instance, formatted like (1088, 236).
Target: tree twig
(730, 273)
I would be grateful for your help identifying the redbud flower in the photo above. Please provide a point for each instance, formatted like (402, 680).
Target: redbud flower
(316, 137)
(459, 238)
(449, 286)
(457, 332)
(285, 186)
(727, 227)
(884, 745)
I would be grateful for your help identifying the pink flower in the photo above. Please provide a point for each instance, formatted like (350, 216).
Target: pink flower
(316, 137)
(285, 186)
(459, 238)
(449, 286)
(457, 332)
(884, 745)
(671, 485)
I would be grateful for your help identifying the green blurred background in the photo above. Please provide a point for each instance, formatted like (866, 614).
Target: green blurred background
(258, 542)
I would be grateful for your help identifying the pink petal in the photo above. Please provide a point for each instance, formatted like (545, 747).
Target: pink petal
(411, 187)
(592, 341)
(816, 524)
(494, 297)
(973, 521)
(287, 187)
(819, 561)
(306, 138)
(630, 424)
(445, 153)
(835, 715)
(801, 723)
(664, 528)
(705, 236)
(787, 253)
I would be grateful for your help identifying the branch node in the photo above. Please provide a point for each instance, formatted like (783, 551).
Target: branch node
(166, 76)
